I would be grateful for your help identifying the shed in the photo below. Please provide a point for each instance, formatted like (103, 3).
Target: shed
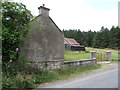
(73, 45)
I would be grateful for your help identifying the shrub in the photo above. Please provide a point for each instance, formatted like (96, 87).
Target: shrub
(15, 19)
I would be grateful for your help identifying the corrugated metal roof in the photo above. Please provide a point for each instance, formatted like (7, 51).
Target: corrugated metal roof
(71, 41)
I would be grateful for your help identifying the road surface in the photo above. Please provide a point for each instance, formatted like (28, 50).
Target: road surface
(103, 79)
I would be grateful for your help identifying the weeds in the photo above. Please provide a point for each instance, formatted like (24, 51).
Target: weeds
(23, 75)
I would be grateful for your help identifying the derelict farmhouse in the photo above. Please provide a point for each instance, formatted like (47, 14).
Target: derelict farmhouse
(44, 45)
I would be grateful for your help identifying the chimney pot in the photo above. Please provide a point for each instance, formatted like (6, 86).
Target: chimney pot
(43, 10)
(43, 5)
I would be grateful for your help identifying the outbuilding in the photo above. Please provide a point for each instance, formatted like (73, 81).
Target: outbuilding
(73, 45)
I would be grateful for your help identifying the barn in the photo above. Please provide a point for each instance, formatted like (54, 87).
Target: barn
(73, 45)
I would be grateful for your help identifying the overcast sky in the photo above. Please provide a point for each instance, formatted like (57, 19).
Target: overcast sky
(78, 14)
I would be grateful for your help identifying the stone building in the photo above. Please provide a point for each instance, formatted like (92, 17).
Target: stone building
(44, 45)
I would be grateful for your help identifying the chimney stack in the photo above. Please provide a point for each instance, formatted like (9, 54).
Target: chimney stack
(43, 10)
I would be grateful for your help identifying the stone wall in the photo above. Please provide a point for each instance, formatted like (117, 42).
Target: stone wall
(80, 63)
(53, 64)
(47, 65)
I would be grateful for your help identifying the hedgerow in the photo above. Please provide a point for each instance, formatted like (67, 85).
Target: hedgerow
(15, 19)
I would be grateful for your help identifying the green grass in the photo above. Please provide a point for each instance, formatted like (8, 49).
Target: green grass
(23, 75)
(103, 51)
(71, 56)
(68, 72)
(100, 55)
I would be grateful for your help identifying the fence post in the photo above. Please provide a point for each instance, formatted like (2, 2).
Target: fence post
(108, 56)
(92, 54)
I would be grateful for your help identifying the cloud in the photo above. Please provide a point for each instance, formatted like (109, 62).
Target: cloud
(79, 14)
(85, 18)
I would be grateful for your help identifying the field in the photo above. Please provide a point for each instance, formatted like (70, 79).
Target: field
(71, 56)
(100, 55)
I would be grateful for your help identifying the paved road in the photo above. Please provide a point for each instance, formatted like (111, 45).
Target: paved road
(106, 79)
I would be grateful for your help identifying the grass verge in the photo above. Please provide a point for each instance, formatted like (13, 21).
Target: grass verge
(23, 75)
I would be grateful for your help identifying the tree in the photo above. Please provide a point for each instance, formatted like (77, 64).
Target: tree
(105, 38)
(90, 38)
(79, 37)
(15, 19)
(97, 40)
(118, 38)
(114, 37)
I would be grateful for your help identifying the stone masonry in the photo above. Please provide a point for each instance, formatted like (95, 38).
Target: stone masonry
(44, 45)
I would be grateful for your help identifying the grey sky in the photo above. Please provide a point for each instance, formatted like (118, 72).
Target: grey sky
(78, 14)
